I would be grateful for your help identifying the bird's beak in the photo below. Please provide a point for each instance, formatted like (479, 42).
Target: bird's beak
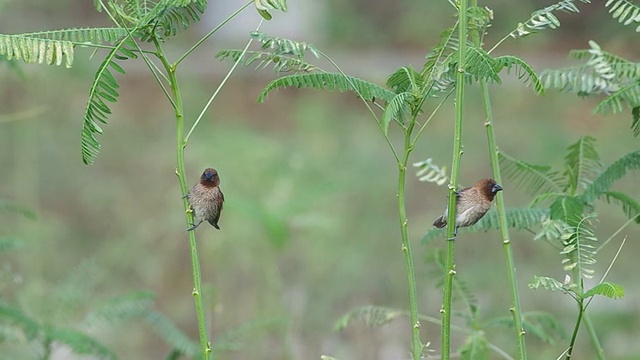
(496, 188)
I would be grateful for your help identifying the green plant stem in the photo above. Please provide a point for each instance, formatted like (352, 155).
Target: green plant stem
(217, 91)
(574, 335)
(455, 174)
(180, 172)
(515, 309)
(594, 336)
(416, 345)
(210, 33)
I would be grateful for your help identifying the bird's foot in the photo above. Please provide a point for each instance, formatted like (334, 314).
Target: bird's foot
(194, 226)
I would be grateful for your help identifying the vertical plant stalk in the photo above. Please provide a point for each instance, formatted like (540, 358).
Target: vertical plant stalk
(515, 308)
(594, 337)
(180, 172)
(416, 345)
(574, 335)
(455, 174)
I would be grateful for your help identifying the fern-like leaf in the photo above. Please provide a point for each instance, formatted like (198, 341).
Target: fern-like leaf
(476, 347)
(12, 207)
(80, 343)
(544, 19)
(613, 172)
(436, 71)
(481, 66)
(582, 164)
(579, 248)
(56, 46)
(522, 70)
(104, 89)
(404, 79)
(430, 172)
(626, 12)
(568, 209)
(610, 290)
(262, 59)
(245, 334)
(282, 46)
(532, 178)
(121, 308)
(635, 122)
(17, 318)
(263, 7)
(397, 109)
(171, 334)
(629, 205)
(330, 81)
(550, 284)
(371, 315)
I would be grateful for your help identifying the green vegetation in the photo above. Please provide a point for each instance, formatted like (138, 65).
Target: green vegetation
(317, 188)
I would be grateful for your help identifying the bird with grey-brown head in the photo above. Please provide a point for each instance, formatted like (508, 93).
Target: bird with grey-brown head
(206, 199)
(472, 204)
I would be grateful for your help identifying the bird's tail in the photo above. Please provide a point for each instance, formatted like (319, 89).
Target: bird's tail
(440, 222)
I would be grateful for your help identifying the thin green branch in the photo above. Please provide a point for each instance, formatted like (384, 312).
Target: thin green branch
(222, 83)
(594, 337)
(433, 113)
(378, 120)
(574, 335)
(210, 33)
(180, 172)
(455, 174)
(632, 219)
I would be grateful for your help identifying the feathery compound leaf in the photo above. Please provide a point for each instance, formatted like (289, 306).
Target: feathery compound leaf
(579, 248)
(280, 63)
(635, 123)
(330, 81)
(166, 17)
(610, 290)
(397, 109)
(612, 173)
(630, 207)
(404, 79)
(532, 178)
(544, 18)
(80, 343)
(582, 164)
(430, 172)
(567, 208)
(16, 317)
(550, 284)
(171, 334)
(371, 315)
(263, 7)
(624, 11)
(282, 46)
(51, 47)
(522, 71)
(121, 308)
(104, 89)
(476, 347)
(481, 66)
(12, 207)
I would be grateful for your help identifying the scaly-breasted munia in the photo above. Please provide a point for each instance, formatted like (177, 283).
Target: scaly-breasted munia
(471, 204)
(206, 199)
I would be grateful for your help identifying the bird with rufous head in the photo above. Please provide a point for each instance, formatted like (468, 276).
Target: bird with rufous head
(206, 199)
(472, 204)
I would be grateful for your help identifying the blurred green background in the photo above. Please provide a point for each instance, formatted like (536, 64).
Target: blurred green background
(310, 227)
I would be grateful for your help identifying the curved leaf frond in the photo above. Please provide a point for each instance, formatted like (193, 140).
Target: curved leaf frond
(371, 315)
(282, 46)
(15, 317)
(482, 66)
(532, 178)
(80, 343)
(171, 334)
(436, 72)
(430, 172)
(582, 164)
(544, 19)
(625, 11)
(168, 17)
(263, 7)
(330, 81)
(579, 248)
(613, 172)
(121, 308)
(629, 205)
(54, 47)
(542, 325)
(405, 79)
(522, 70)
(397, 109)
(550, 284)
(280, 63)
(568, 209)
(608, 289)
(104, 89)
